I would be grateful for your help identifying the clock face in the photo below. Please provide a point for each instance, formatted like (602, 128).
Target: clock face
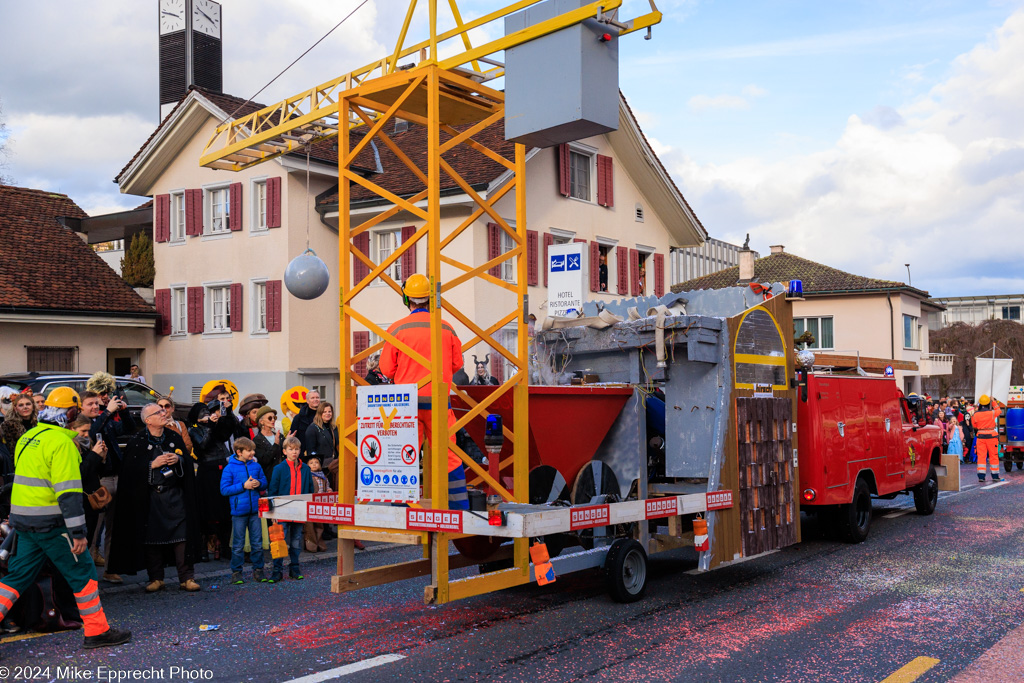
(206, 17)
(172, 16)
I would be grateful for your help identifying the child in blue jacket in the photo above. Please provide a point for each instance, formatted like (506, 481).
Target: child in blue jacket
(242, 481)
(290, 478)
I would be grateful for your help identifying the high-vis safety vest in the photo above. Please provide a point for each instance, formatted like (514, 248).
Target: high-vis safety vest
(414, 331)
(47, 491)
(985, 422)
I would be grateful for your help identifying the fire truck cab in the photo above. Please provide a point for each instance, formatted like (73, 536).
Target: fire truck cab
(861, 437)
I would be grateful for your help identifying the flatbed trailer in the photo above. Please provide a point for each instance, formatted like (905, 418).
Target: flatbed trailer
(697, 452)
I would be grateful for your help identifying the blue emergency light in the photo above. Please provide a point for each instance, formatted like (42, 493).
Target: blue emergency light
(796, 289)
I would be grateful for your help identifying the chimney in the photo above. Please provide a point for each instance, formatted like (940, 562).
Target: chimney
(778, 248)
(746, 265)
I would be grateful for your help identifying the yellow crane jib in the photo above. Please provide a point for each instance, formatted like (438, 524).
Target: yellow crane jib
(312, 116)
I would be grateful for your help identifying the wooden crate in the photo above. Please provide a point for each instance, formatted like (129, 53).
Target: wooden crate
(951, 481)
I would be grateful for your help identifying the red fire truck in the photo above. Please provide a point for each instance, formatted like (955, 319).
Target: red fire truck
(861, 437)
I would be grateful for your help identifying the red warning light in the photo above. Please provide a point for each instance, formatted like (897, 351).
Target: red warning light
(605, 37)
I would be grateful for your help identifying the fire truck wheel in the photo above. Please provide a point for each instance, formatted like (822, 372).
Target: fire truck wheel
(926, 494)
(855, 517)
(626, 570)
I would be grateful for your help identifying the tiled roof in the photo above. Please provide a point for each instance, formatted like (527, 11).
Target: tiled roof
(233, 107)
(817, 278)
(474, 167)
(43, 265)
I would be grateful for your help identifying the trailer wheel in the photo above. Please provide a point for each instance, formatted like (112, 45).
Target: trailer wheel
(1020, 465)
(626, 570)
(926, 494)
(1007, 464)
(855, 517)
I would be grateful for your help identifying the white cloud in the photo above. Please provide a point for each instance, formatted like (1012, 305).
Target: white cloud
(704, 102)
(936, 182)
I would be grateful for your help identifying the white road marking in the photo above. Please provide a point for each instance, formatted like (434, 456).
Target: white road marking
(347, 669)
(898, 513)
(992, 486)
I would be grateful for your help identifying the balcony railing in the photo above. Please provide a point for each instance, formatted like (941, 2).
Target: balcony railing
(936, 364)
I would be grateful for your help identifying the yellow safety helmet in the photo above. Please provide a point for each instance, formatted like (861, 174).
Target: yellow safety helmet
(416, 287)
(63, 397)
(984, 400)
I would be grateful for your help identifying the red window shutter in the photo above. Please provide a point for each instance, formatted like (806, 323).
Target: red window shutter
(564, 170)
(236, 307)
(235, 210)
(634, 273)
(494, 247)
(659, 275)
(595, 267)
(196, 317)
(190, 213)
(273, 305)
(161, 213)
(408, 258)
(359, 269)
(622, 269)
(605, 175)
(531, 257)
(360, 342)
(162, 299)
(549, 239)
(273, 202)
(497, 366)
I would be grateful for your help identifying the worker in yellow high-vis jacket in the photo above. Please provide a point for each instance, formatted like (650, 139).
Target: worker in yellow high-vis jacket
(48, 515)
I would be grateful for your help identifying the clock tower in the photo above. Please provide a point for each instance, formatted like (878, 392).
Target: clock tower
(190, 49)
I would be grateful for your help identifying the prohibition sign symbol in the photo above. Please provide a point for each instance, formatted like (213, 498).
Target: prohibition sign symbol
(370, 449)
(409, 455)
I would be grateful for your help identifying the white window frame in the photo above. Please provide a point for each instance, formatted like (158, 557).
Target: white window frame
(208, 197)
(645, 253)
(258, 206)
(179, 305)
(258, 304)
(915, 331)
(395, 271)
(209, 314)
(613, 264)
(176, 219)
(817, 337)
(562, 236)
(591, 154)
(507, 244)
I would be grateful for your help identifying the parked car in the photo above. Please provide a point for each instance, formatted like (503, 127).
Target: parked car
(136, 394)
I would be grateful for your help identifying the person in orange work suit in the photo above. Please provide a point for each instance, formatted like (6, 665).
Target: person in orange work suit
(414, 331)
(985, 421)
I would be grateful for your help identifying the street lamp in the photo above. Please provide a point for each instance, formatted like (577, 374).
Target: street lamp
(909, 281)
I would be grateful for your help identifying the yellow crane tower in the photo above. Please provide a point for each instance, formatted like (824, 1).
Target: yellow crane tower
(448, 96)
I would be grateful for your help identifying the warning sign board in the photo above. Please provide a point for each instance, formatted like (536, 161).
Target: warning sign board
(434, 520)
(388, 466)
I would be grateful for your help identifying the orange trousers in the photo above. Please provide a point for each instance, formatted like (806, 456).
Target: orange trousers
(988, 456)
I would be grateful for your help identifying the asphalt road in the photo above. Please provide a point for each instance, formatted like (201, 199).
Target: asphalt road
(946, 587)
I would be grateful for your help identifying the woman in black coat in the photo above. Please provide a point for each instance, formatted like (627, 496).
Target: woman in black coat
(322, 435)
(157, 513)
(209, 448)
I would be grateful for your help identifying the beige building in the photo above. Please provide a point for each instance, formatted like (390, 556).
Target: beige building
(62, 309)
(223, 241)
(847, 314)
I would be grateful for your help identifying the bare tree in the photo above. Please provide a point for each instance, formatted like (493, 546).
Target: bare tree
(5, 151)
(967, 342)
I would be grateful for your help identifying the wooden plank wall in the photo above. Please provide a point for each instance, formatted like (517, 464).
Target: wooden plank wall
(768, 518)
(727, 541)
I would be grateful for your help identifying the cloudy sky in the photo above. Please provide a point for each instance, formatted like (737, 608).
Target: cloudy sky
(863, 134)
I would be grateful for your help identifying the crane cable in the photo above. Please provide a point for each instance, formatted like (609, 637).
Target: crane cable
(295, 61)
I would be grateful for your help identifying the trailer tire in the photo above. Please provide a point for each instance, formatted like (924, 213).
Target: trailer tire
(1007, 464)
(1020, 465)
(626, 570)
(926, 494)
(855, 517)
